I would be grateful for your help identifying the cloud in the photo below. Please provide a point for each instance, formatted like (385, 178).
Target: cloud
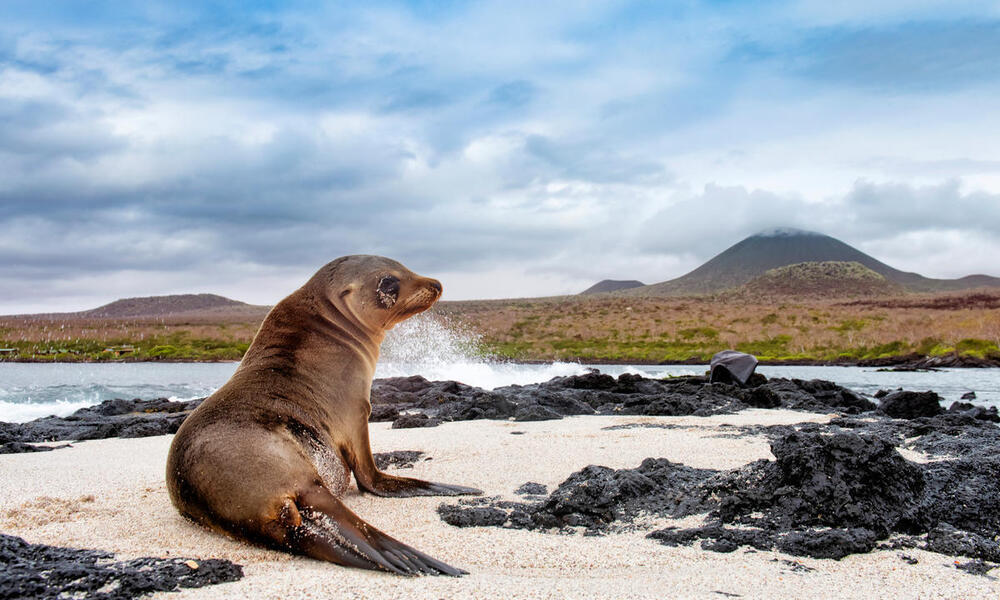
(937, 230)
(537, 147)
(898, 57)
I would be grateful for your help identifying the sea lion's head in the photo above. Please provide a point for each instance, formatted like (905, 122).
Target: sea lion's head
(375, 290)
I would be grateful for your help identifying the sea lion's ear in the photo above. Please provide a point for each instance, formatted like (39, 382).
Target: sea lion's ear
(346, 292)
(387, 292)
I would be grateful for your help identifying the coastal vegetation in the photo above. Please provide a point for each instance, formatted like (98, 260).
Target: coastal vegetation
(590, 328)
(623, 329)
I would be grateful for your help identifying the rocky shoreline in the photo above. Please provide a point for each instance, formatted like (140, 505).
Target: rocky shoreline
(896, 471)
(900, 361)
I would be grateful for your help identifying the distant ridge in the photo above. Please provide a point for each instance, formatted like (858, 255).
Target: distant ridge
(775, 248)
(159, 306)
(612, 285)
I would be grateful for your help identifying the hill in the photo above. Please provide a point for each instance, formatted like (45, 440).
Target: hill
(828, 279)
(759, 253)
(161, 306)
(612, 285)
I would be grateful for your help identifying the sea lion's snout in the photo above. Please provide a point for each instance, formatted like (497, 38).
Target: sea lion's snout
(435, 285)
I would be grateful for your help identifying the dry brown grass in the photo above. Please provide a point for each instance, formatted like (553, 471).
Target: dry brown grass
(605, 327)
(657, 329)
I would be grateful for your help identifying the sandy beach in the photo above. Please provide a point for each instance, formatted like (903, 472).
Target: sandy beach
(110, 495)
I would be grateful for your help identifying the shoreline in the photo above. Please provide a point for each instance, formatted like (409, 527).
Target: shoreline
(628, 480)
(110, 494)
(903, 361)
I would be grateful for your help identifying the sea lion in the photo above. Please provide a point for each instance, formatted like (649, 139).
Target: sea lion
(267, 457)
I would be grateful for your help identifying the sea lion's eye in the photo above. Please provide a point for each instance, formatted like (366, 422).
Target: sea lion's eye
(387, 292)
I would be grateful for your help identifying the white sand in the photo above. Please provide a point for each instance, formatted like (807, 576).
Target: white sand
(110, 495)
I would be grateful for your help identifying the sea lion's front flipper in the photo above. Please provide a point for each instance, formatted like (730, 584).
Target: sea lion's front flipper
(391, 486)
(359, 457)
(330, 531)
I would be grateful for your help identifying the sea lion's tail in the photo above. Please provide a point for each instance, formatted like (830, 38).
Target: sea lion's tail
(330, 531)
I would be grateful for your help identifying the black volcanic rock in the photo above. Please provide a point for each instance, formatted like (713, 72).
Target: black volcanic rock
(910, 405)
(415, 420)
(595, 497)
(402, 459)
(823, 480)
(815, 395)
(833, 490)
(21, 448)
(424, 403)
(111, 418)
(52, 572)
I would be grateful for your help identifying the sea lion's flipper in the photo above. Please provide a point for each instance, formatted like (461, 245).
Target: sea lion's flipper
(370, 479)
(330, 531)
(392, 486)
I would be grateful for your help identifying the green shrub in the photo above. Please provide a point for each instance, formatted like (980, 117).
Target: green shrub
(162, 351)
(976, 347)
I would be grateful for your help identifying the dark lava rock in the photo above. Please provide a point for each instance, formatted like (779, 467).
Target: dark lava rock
(51, 572)
(821, 480)
(595, 392)
(946, 539)
(826, 496)
(960, 431)
(476, 516)
(976, 567)
(969, 396)
(397, 399)
(910, 405)
(976, 412)
(829, 493)
(21, 448)
(415, 420)
(383, 413)
(111, 418)
(536, 413)
(832, 492)
(833, 543)
(815, 395)
(532, 489)
(965, 493)
(596, 498)
(403, 459)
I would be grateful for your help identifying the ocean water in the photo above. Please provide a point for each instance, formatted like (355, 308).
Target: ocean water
(420, 346)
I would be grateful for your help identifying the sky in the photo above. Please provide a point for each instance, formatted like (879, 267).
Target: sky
(510, 149)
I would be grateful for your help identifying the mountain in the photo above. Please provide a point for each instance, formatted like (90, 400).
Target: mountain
(612, 285)
(159, 306)
(820, 279)
(767, 250)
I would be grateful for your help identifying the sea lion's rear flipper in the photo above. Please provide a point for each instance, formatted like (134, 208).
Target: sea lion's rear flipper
(330, 531)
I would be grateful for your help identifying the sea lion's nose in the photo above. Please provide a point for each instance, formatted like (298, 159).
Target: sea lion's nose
(436, 285)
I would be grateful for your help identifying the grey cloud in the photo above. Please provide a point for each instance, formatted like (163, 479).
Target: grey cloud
(50, 130)
(879, 215)
(719, 215)
(880, 209)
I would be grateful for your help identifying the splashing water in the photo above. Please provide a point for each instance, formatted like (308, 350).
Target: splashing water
(430, 346)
